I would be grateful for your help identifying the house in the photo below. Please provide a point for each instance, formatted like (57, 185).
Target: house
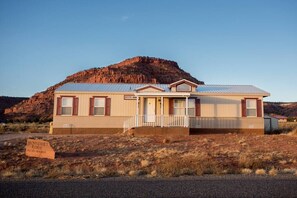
(180, 108)
(280, 118)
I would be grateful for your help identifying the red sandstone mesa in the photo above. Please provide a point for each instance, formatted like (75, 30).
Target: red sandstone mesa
(134, 70)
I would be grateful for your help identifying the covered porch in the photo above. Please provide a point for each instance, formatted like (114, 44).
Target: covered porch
(157, 109)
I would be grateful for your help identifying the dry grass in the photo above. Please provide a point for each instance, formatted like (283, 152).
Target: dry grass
(145, 163)
(154, 173)
(260, 172)
(33, 127)
(293, 132)
(287, 128)
(34, 173)
(189, 166)
(246, 171)
(8, 173)
(248, 160)
(288, 171)
(273, 172)
(119, 155)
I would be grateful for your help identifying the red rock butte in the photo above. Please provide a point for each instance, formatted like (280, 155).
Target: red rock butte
(140, 69)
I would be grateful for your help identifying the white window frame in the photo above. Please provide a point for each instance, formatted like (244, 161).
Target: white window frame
(104, 106)
(251, 108)
(184, 107)
(67, 106)
(182, 87)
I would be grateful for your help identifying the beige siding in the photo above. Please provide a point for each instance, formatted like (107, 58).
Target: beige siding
(119, 106)
(121, 110)
(221, 106)
(89, 121)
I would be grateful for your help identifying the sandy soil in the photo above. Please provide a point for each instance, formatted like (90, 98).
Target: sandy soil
(95, 156)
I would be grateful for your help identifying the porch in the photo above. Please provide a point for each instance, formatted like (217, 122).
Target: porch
(211, 124)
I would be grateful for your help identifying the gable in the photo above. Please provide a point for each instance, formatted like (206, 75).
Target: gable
(183, 86)
(149, 88)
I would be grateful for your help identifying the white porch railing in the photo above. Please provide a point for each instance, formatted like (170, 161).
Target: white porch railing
(156, 121)
(129, 123)
(193, 122)
(225, 122)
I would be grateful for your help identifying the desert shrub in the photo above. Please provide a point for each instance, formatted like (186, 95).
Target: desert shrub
(260, 172)
(288, 171)
(287, 127)
(54, 172)
(189, 166)
(3, 128)
(251, 161)
(34, 173)
(81, 169)
(8, 173)
(293, 132)
(273, 172)
(101, 171)
(246, 171)
(25, 127)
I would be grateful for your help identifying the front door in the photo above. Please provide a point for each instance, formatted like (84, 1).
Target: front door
(150, 110)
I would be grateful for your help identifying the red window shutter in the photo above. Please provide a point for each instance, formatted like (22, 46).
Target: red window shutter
(107, 106)
(198, 108)
(243, 108)
(75, 106)
(259, 108)
(59, 106)
(171, 107)
(91, 112)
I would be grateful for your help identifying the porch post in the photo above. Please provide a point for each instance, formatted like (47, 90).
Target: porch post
(187, 112)
(137, 111)
(162, 111)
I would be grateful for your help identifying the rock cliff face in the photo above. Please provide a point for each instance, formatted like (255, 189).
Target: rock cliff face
(134, 70)
(280, 108)
(7, 102)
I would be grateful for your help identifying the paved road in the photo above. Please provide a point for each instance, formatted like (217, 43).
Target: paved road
(211, 186)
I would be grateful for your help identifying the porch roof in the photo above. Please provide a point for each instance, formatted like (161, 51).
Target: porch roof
(167, 94)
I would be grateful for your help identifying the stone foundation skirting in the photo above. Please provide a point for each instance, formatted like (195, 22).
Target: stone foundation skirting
(196, 131)
(160, 131)
(87, 130)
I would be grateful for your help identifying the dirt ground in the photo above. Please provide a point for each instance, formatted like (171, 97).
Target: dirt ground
(96, 156)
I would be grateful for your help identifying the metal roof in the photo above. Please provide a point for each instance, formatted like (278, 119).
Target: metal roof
(231, 89)
(125, 87)
(107, 87)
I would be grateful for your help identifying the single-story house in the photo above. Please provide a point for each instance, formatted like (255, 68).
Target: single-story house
(180, 108)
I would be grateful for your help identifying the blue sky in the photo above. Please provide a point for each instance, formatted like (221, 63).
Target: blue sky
(219, 42)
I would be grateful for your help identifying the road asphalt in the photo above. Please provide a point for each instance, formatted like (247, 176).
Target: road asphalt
(202, 186)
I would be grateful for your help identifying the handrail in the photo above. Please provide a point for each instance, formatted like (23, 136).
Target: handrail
(191, 122)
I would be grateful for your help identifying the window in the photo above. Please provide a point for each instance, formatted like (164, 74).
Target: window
(180, 107)
(99, 106)
(251, 107)
(67, 103)
(183, 87)
(192, 109)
